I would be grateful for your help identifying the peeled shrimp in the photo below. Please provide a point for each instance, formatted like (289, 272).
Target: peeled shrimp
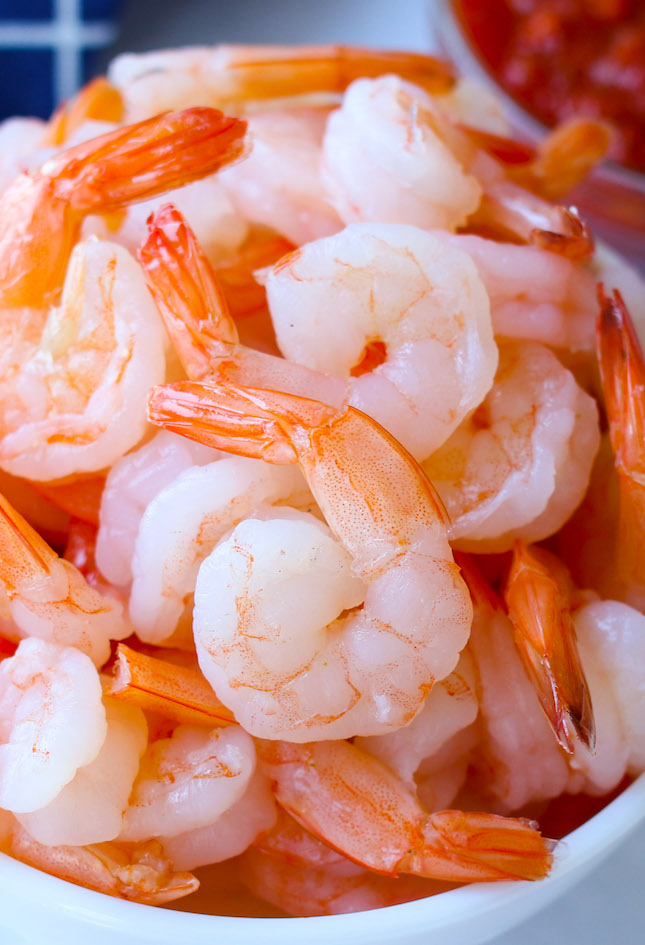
(48, 597)
(52, 722)
(182, 525)
(72, 373)
(187, 781)
(131, 484)
(242, 77)
(90, 808)
(297, 672)
(520, 464)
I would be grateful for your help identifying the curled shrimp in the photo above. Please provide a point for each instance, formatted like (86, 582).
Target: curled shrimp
(380, 316)
(239, 77)
(358, 807)
(520, 464)
(389, 554)
(48, 597)
(52, 722)
(73, 372)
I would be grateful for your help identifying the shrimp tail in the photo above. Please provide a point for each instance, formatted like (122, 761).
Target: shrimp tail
(242, 420)
(148, 158)
(622, 369)
(358, 807)
(187, 292)
(545, 637)
(25, 558)
(99, 100)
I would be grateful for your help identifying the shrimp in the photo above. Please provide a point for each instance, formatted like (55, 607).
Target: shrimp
(622, 368)
(279, 185)
(187, 781)
(308, 672)
(239, 77)
(335, 304)
(131, 485)
(48, 597)
(230, 834)
(72, 373)
(141, 873)
(182, 525)
(52, 722)
(520, 464)
(358, 807)
(90, 808)
(294, 871)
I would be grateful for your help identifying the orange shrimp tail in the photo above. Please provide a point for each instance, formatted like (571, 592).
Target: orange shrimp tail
(258, 74)
(571, 238)
(25, 558)
(80, 498)
(468, 846)
(357, 806)
(187, 292)
(242, 420)
(148, 158)
(622, 369)
(545, 637)
(565, 157)
(99, 100)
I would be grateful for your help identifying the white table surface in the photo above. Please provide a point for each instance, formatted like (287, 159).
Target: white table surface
(609, 907)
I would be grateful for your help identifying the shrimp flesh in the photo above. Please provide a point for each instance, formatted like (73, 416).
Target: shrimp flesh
(520, 464)
(298, 672)
(187, 781)
(90, 808)
(52, 721)
(48, 597)
(357, 806)
(241, 77)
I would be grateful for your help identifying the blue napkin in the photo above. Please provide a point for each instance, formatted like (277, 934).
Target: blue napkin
(48, 49)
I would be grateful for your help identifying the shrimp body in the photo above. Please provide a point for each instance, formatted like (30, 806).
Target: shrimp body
(520, 464)
(52, 722)
(373, 666)
(399, 287)
(89, 809)
(187, 781)
(185, 521)
(390, 154)
(131, 484)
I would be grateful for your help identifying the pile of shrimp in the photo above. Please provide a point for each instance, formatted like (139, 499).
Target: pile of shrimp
(322, 474)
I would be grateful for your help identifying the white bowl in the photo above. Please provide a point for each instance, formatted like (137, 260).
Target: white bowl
(37, 909)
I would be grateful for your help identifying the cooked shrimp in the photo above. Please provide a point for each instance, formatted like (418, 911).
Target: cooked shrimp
(245, 76)
(622, 367)
(73, 373)
(294, 871)
(141, 873)
(356, 805)
(279, 185)
(184, 522)
(520, 464)
(187, 781)
(335, 303)
(52, 722)
(392, 155)
(297, 672)
(131, 484)
(534, 295)
(90, 808)
(230, 834)
(49, 598)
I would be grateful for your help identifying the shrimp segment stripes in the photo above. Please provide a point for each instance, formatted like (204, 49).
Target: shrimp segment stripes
(375, 667)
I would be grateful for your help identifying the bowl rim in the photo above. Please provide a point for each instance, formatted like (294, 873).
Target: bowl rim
(453, 41)
(583, 847)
